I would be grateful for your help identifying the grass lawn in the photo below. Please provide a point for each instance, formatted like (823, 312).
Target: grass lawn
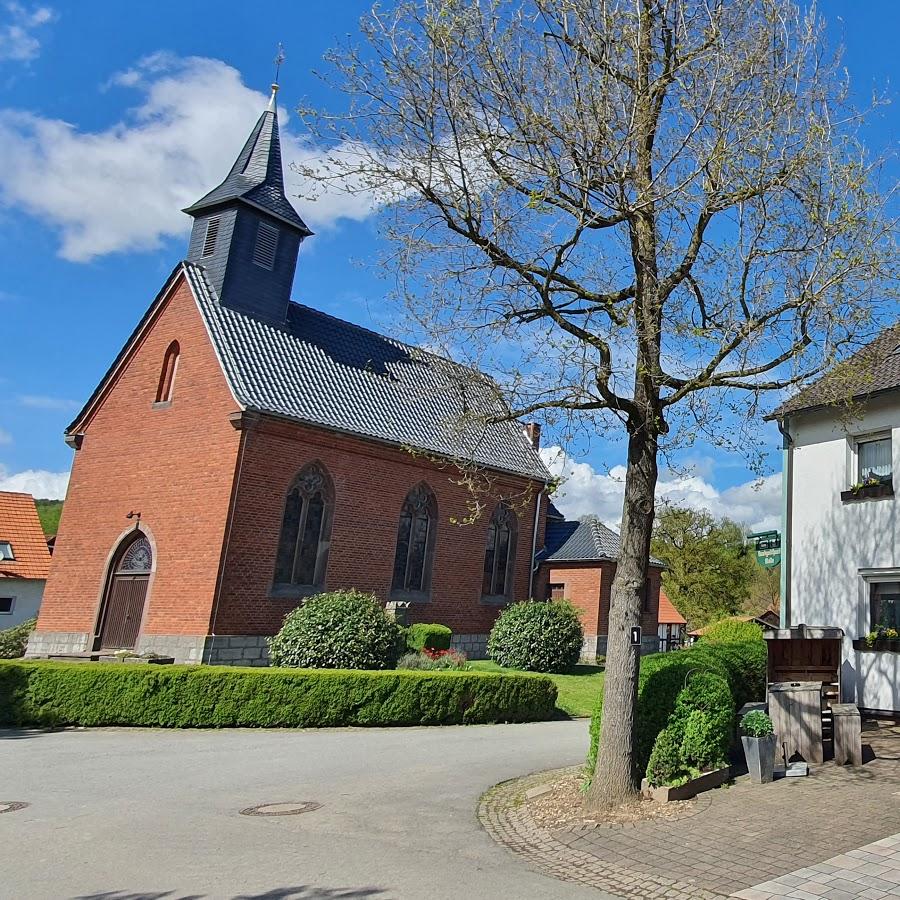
(578, 690)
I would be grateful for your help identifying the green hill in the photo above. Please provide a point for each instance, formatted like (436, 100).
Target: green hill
(49, 512)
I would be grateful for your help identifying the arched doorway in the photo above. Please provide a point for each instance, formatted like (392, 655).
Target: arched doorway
(126, 593)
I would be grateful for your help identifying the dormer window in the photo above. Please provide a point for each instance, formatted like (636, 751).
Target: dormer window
(266, 246)
(212, 235)
(6, 551)
(167, 376)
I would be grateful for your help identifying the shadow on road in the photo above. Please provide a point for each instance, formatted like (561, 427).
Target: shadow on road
(297, 892)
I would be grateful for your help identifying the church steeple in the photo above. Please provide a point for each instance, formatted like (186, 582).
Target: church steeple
(246, 232)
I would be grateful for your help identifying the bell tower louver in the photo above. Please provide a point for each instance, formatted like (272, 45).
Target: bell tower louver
(246, 233)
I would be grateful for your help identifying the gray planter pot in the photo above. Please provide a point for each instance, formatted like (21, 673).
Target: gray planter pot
(760, 756)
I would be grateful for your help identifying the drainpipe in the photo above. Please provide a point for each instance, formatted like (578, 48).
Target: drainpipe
(787, 491)
(534, 534)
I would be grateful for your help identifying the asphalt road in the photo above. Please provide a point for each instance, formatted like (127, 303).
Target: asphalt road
(124, 814)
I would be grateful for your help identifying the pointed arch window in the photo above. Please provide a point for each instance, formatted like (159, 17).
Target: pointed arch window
(305, 537)
(167, 375)
(500, 555)
(416, 534)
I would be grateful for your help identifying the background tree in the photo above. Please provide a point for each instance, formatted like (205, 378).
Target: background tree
(765, 590)
(710, 571)
(638, 215)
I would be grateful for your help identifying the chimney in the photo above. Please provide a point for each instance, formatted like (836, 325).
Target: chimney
(533, 433)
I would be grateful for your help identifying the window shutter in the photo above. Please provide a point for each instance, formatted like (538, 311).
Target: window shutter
(266, 246)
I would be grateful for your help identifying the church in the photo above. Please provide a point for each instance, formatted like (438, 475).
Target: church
(244, 451)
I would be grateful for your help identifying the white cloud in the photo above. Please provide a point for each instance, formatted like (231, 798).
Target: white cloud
(756, 504)
(18, 42)
(37, 482)
(41, 401)
(123, 188)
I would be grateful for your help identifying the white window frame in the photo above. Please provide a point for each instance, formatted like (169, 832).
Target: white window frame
(12, 605)
(868, 577)
(854, 440)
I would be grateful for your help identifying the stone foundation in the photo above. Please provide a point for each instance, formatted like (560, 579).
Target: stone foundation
(185, 648)
(473, 645)
(236, 650)
(42, 643)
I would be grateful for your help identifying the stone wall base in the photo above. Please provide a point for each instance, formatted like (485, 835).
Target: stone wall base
(473, 645)
(42, 643)
(236, 650)
(186, 648)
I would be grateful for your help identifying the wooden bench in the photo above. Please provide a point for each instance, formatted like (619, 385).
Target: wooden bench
(847, 734)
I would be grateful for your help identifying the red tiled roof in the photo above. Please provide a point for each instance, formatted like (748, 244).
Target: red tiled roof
(668, 615)
(20, 525)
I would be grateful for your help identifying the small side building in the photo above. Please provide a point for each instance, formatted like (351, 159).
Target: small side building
(672, 624)
(24, 559)
(578, 564)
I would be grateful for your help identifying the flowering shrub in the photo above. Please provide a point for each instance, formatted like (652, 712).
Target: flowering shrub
(881, 633)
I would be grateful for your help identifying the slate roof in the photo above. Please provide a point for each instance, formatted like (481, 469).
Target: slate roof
(20, 525)
(257, 176)
(872, 370)
(324, 371)
(566, 541)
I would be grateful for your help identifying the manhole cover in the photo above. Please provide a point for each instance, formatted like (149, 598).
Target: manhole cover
(280, 809)
(11, 805)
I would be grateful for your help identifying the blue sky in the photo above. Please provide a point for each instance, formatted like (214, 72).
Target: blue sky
(110, 121)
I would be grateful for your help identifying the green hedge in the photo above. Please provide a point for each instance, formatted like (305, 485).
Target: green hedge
(13, 641)
(663, 675)
(433, 637)
(57, 693)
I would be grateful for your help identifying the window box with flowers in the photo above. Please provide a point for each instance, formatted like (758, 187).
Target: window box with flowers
(881, 638)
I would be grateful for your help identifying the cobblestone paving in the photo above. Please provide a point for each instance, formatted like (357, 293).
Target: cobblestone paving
(872, 872)
(736, 838)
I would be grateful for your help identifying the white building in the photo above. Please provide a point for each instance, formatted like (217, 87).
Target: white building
(24, 559)
(841, 529)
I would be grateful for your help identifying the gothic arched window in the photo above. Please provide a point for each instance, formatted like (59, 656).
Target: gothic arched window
(305, 531)
(500, 554)
(415, 542)
(167, 375)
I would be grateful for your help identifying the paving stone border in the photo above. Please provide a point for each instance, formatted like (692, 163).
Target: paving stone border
(502, 813)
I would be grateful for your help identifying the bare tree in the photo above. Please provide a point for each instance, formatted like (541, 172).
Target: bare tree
(638, 215)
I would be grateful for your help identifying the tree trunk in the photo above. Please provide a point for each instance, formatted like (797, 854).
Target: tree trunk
(614, 779)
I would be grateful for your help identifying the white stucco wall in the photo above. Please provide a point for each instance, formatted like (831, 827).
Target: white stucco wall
(838, 548)
(27, 593)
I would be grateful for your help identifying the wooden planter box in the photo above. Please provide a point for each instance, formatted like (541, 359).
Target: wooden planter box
(882, 646)
(868, 492)
(706, 782)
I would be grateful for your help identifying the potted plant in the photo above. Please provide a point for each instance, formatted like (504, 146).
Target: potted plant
(882, 637)
(758, 738)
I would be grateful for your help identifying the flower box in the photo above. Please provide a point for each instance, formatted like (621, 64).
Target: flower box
(883, 645)
(706, 782)
(868, 492)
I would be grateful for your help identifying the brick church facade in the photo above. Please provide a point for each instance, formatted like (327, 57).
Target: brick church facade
(244, 451)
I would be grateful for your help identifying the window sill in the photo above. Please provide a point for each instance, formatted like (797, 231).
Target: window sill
(883, 646)
(161, 404)
(868, 492)
(294, 591)
(494, 599)
(411, 596)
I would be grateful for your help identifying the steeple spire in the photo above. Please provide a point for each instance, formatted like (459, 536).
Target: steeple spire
(246, 232)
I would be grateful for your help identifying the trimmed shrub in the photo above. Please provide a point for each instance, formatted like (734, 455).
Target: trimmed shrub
(13, 641)
(428, 637)
(732, 631)
(38, 692)
(662, 677)
(665, 766)
(340, 630)
(537, 636)
(436, 660)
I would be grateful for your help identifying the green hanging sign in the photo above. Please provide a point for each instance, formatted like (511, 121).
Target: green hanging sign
(768, 548)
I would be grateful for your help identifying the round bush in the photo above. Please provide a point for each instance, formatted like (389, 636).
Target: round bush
(538, 637)
(341, 630)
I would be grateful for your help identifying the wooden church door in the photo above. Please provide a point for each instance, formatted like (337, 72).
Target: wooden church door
(123, 607)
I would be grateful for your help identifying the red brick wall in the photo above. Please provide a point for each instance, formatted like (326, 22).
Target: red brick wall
(588, 586)
(174, 465)
(370, 484)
